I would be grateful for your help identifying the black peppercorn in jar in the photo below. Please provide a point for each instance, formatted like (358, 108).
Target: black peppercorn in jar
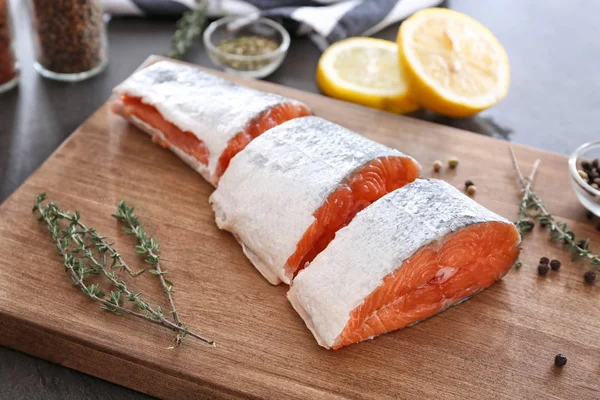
(69, 37)
(9, 73)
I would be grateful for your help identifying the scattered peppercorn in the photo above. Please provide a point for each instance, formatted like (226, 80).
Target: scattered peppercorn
(471, 190)
(560, 360)
(468, 183)
(544, 260)
(437, 165)
(555, 265)
(543, 269)
(453, 162)
(589, 277)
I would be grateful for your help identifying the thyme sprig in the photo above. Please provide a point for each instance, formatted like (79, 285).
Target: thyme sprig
(148, 247)
(189, 28)
(532, 208)
(85, 252)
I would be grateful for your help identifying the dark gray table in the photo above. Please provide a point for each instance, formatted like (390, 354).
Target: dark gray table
(552, 102)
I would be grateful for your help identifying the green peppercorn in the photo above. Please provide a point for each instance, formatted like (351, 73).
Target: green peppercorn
(560, 360)
(555, 265)
(543, 269)
(589, 277)
(453, 162)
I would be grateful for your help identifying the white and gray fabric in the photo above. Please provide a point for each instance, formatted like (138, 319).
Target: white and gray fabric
(326, 21)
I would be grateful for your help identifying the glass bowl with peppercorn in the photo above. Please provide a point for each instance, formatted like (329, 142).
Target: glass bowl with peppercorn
(9, 70)
(245, 46)
(69, 38)
(584, 168)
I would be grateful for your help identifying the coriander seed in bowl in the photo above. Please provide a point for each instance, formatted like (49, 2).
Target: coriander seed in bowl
(246, 46)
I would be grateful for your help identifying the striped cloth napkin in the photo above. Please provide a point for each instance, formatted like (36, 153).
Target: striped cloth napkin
(325, 21)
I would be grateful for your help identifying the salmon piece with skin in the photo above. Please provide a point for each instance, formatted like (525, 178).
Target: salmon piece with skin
(204, 119)
(287, 194)
(411, 254)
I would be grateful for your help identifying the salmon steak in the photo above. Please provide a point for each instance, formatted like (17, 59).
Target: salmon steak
(411, 254)
(203, 119)
(290, 190)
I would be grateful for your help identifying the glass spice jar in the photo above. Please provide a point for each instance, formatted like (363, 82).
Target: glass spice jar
(9, 71)
(69, 38)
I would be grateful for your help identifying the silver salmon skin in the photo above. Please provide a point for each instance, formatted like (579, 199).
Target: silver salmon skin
(409, 255)
(204, 119)
(290, 190)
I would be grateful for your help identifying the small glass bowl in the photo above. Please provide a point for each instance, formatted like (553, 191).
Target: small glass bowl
(250, 66)
(588, 196)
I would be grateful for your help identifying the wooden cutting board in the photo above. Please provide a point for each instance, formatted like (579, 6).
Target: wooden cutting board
(500, 344)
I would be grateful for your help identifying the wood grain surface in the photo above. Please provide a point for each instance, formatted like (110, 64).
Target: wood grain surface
(499, 344)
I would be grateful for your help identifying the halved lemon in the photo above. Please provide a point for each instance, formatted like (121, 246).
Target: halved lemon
(454, 65)
(365, 71)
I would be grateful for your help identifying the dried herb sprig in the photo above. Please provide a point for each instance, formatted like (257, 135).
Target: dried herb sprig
(103, 246)
(532, 208)
(189, 28)
(525, 224)
(148, 247)
(76, 244)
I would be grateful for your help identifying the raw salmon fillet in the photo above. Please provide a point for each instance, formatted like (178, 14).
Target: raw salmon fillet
(290, 190)
(202, 118)
(409, 255)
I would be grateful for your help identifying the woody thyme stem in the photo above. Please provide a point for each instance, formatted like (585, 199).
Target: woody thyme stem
(148, 247)
(50, 214)
(531, 201)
